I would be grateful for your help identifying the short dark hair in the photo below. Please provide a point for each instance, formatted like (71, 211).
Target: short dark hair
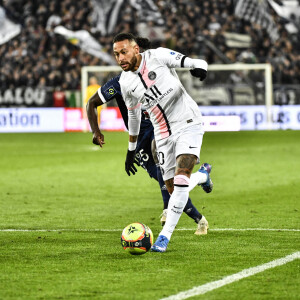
(124, 36)
(143, 43)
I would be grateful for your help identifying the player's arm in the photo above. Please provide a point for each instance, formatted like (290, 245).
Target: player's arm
(104, 94)
(175, 59)
(91, 109)
(134, 122)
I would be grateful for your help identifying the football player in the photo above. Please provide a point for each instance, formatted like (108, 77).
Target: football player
(145, 155)
(149, 80)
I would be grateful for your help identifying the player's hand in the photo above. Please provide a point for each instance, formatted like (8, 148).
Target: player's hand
(199, 73)
(129, 166)
(98, 139)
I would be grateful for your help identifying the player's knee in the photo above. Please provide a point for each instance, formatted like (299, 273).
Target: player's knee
(185, 164)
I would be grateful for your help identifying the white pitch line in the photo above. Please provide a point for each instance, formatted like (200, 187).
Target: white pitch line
(114, 230)
(59, 230)
(245, 229)
(210, 286)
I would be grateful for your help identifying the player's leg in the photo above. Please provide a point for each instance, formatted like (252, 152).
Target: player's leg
(192, 211)
(192, 136)
(146, 155)
(163, 188)
(186, 158)
(184, 166)
(202, 178)
(178, 201)
(189, 209)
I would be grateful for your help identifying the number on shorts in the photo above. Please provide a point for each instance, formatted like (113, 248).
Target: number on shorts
(161, 158)
(143, 156)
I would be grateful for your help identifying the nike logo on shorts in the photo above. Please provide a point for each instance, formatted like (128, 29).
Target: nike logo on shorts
(191, 147)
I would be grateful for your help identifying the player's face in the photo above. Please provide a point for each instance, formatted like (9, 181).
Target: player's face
(126, 54)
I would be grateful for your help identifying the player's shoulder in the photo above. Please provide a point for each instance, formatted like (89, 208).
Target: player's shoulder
(126, 78)
(111, 88)
(123, 78)
(114, 81)
(151, 53)
(162, 53)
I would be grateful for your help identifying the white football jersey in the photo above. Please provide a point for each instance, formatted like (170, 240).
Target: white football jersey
(156, 87)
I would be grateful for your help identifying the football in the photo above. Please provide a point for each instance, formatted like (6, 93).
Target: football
(137, 238)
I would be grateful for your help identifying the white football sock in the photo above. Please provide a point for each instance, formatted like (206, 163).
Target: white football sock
(197, 178)
(176, 205)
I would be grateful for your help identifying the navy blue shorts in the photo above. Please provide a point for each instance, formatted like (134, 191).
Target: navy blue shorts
(143, 149)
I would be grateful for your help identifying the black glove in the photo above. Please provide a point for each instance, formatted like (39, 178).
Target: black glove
(199, 73)
(129, 166)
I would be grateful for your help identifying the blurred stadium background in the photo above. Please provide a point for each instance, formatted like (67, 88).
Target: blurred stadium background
(64, 202)
(45, 44)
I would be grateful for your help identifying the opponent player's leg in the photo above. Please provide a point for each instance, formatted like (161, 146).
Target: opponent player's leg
(193, 213)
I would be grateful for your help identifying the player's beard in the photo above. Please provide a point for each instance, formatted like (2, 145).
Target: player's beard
(131, 64)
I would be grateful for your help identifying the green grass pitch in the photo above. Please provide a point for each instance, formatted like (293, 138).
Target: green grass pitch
(82, 197)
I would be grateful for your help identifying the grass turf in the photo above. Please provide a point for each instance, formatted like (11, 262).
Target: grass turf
(62, 181)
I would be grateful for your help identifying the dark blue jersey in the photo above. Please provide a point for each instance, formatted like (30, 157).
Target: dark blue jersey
(112, 90)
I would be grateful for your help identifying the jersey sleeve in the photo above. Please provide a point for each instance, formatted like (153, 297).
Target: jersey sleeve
(134, 120)
(175, 59)
(134, 112)
(110, 89)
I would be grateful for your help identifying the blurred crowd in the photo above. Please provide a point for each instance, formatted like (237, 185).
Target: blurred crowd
(39, 57)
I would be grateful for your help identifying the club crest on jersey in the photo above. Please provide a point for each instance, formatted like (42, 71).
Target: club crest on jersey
(110, 91)
(172, 53)
(152, 75)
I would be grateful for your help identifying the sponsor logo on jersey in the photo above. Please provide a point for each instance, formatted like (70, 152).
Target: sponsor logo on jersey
(172, 53)
(155, 96)
(152, 75)
(110, 92)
